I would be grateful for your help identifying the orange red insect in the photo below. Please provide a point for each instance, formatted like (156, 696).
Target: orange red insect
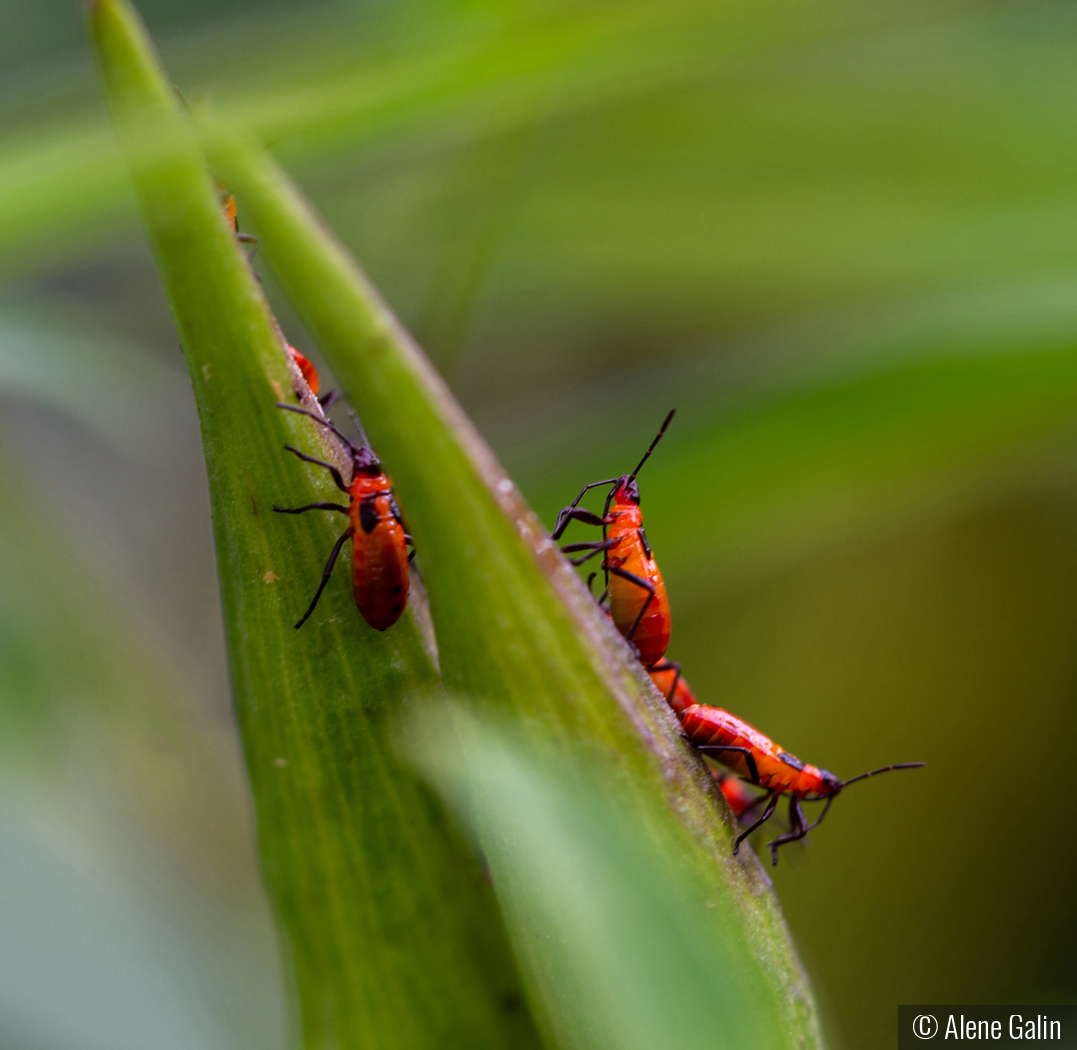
(640, 609)
(637, 592)
(309, 372)
(380, 559)
(752, 754)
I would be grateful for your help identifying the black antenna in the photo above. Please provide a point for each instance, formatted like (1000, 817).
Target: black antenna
(328, 423)
(646, 455)
(885, 769)
(354, 417)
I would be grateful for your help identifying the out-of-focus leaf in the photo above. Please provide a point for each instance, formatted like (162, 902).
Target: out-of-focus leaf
(318, 88)
(394, 933)
(614, 926)
(770, 479)
(128, 884)
(82, 369)
(516, 632)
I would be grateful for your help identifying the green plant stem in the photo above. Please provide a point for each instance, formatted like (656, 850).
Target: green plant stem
(516, 630)
(393, 930)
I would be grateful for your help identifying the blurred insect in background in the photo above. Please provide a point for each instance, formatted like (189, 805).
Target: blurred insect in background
(309, 372)
(740, 798)
(228, 203)
(380, 559)
(746, 751)
(634, 585)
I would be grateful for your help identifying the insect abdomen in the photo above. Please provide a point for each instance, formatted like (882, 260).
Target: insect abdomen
(380, 576)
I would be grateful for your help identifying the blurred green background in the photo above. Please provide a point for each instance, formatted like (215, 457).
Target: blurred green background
(840, 237)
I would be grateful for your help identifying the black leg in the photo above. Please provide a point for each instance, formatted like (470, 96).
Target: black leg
(320, 463)
(249, 238)
(797, 829)
(311, 506)
(767, 814)
(575, 514)
(565, 516)
(593, 548)
(639, 581)
(669, 665)
(326, 573)
(751, 805)
(598, 545)
(815, 823)
(327, 401)
(749, 758)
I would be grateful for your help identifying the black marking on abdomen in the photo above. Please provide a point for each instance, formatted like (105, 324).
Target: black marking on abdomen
(791, 760)
(368, 515)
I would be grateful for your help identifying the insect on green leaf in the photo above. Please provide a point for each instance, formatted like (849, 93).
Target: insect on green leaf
(518, 636)
(393, 930)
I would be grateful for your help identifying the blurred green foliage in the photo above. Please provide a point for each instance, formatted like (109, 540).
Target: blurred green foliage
(838, 236)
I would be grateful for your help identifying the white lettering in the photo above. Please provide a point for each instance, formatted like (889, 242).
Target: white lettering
(996, 1029)
(1015, 1033)
(951, 1027)
(1030, 1029)
(1056, 1026)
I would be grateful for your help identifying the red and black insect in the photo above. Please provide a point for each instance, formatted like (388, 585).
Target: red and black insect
(380, 576)
(636, 590)
(742, 748)
(310, 373)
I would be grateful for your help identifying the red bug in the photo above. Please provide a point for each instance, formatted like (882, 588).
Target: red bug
(310, 373)
(674, 686)
(636, 590)
(741, 747)
(380, 576)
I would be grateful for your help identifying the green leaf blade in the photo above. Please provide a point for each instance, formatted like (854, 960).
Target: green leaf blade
(517, 632)
(394, 933)
(592, 905)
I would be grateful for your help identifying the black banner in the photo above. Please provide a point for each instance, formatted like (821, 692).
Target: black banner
(1019, 1026)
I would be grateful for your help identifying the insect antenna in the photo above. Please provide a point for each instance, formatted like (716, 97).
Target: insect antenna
(318, 419)
(885, 769)
(658, 437)
(354, 417)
